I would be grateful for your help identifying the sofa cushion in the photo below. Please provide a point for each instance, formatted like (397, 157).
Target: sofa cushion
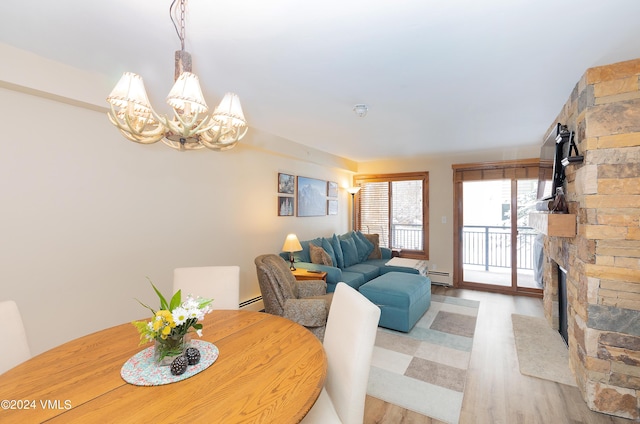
(369, 271)
(326, 245)
(374, 239)
(363, 246)
(398, 289)
(337, 249)
(405, 269)
(349, 252)
(354, 279)
(403, 298)
(380, 263)
(384, 268)
(318, 255)
(303, 255)
(386, 252)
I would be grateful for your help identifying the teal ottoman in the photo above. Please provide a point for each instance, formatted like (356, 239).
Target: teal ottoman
(403, 298)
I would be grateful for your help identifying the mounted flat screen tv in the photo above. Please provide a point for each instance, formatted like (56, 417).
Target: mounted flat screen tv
(551, 175)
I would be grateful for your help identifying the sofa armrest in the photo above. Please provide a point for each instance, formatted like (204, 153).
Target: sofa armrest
(310, 288)
(307, 312)
(386, 252)
(334, 274)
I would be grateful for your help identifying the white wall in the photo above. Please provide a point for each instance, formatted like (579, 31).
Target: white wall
(88, 215)
(441, 191)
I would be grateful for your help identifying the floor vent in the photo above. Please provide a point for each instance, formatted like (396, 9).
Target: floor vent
(440, 278)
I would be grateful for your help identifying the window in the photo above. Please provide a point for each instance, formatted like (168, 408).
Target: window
(396, 206)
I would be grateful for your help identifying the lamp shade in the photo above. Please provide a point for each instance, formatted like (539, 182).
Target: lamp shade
(229, 111)
(291, 244)
(186, 95)
(129, 95)
(353, 190)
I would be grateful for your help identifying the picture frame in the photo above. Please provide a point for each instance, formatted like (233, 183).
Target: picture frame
(332, 207)
(285, 205)
(332, 189)
(311, 197)
(286, 183)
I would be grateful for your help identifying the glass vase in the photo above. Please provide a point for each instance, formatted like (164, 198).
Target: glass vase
(166, 350)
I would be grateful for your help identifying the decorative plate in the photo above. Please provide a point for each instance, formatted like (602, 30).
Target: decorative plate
(141, 370)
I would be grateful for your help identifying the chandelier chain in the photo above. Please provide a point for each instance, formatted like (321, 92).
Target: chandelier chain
(173, 13)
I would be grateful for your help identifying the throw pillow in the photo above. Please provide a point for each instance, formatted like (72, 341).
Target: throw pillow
(318, 255)
(363, 245)
(349, 252)
(326, 245)
(337, 249)
(375, 240)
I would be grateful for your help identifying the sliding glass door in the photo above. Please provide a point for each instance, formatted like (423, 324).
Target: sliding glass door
(525, 235)
(494, 244)
(486, 232)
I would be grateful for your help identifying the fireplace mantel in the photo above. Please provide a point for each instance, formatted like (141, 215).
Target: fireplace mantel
(554, 224)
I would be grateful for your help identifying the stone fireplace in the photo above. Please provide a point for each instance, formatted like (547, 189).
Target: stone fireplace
(603, 259)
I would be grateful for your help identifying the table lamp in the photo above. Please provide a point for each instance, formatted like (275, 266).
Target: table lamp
(291, 244)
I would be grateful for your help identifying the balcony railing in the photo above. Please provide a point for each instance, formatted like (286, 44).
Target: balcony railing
(487, 246)
(407, 236)
(490, 246)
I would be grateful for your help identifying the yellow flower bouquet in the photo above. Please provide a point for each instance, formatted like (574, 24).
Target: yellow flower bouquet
(171, 325)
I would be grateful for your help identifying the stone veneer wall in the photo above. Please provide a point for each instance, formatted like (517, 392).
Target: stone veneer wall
(603, 260)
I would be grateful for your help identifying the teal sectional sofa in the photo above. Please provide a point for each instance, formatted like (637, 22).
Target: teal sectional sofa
(354, 258)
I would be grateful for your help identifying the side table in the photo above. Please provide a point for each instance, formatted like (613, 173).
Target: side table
(302, 274)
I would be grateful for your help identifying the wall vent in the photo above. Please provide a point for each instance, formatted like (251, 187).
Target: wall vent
(253, 304)
(440, 278)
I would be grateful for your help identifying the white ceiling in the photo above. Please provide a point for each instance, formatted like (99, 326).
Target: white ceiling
(438, 76)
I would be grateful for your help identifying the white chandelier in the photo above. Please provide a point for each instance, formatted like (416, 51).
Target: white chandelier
(190, 128)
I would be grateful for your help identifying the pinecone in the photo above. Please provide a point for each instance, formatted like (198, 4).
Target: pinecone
(193, 355)
(179, 365)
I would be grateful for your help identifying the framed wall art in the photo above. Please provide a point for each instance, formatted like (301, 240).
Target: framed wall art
(312, 197)
(286, 183)
(332, 207)
(332, 189)
(285, 206)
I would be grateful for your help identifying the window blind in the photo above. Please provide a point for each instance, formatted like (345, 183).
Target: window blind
(395, 206)
(374, 210)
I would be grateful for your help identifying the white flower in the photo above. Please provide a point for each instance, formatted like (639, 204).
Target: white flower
(199, 332)
(180, 315)
(190, 303)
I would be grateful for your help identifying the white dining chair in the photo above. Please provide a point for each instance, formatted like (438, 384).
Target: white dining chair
(220, 283)
(348, 342)
(15, 348)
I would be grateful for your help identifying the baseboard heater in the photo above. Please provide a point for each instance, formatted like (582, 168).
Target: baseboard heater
(253, 304)
(440, 278)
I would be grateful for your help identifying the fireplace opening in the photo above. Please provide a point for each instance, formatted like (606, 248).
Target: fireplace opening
(562, 304)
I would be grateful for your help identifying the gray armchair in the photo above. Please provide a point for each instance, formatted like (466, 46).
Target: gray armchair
(305, 302)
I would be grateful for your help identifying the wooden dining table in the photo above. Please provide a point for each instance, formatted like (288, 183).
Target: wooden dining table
(269, 370)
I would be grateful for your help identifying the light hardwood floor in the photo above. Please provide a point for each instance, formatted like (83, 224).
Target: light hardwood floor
(495, 391)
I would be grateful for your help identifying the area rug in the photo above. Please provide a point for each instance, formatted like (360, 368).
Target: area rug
(541, 350)
(425, 370)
